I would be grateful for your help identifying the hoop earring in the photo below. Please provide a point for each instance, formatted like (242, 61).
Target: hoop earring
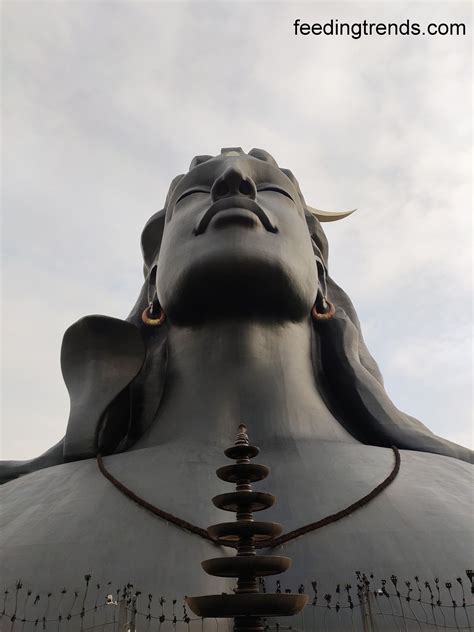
(325, 315)
(148, 319)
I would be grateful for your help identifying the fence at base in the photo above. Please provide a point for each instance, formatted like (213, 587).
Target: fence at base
(365, 604)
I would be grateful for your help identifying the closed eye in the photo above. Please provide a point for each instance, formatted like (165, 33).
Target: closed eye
(276, 190)
(191, 192)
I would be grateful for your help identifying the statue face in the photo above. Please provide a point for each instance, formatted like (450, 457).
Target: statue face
(236, 243)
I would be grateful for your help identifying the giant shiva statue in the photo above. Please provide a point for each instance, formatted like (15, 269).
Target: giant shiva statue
(238, 320)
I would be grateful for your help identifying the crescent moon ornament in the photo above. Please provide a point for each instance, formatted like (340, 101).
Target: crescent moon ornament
(329, 216)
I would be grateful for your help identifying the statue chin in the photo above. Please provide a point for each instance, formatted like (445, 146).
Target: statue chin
(235, 287)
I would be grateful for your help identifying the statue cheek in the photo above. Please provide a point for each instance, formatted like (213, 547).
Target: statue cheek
(176, 236)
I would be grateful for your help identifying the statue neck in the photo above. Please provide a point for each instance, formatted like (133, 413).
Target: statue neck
(222, 374)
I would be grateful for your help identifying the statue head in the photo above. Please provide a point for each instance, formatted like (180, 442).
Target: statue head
(275, 268)
(198, 269)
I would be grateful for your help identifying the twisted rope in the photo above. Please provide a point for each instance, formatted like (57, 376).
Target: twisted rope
(164, 515)
(313, 526)
(283, 539)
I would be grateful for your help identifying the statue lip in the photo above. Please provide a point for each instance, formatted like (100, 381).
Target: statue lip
(234, 201)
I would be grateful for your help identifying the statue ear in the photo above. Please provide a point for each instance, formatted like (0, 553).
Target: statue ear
(151, 284)
(100, 356)
(321, 270)
(151, 238)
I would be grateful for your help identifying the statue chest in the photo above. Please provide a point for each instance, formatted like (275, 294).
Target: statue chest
(419, 525)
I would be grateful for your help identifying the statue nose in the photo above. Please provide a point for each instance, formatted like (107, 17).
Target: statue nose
(233, 182)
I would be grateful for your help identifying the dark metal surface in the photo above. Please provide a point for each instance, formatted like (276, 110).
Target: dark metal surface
(100, 356)
(238, 343)
(253, 501)
(261, 565)
(239, 605)
(239, 451)
(421, 525)
(251, 471)
(240, 272)
(247, 567)
(231, 531)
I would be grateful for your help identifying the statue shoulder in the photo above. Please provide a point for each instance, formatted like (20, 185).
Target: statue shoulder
(100, 357)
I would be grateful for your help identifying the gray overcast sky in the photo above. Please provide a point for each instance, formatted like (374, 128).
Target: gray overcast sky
(105, 102)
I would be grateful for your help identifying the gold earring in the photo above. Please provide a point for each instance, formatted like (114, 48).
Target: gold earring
(325, 315)
(148, 318)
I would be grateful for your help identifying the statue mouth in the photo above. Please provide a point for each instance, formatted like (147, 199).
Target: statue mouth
(234, 202)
